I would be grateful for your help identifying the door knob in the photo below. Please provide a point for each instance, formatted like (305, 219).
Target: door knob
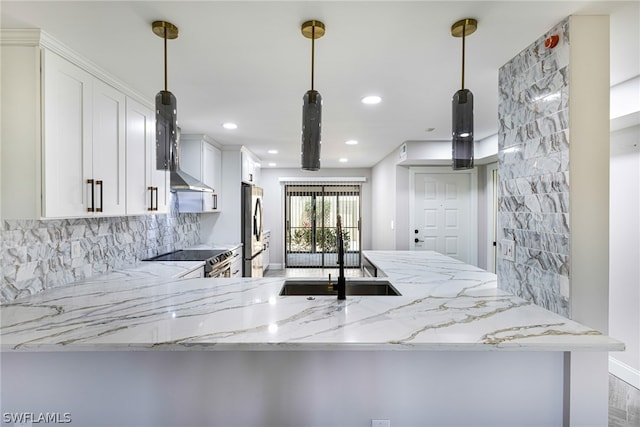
(416, 231)
(418, 240)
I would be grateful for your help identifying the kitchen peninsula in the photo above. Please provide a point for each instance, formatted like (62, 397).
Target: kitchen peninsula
(451, 350)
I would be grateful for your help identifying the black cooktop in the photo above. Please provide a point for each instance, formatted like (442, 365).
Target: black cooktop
(189, 255)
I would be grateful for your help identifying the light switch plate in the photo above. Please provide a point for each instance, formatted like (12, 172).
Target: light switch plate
(508, 249)
(380, 423)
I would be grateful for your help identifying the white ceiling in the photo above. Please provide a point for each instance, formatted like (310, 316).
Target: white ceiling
(248, 63)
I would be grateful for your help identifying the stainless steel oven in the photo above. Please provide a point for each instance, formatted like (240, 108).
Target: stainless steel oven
(217, 262)
(218, 269)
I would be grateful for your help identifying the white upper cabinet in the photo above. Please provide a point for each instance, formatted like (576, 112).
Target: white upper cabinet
(108, 149)
(83, 145)
(147, 188)
(64, 136)
(203, 161)
(250, 169)
(67, 155)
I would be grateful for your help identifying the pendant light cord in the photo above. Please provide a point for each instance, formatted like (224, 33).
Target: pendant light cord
(313, 39)
(464, 32)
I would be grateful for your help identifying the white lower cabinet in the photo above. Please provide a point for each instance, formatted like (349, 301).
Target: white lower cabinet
(266, 239)
(236, 262)
(193, 274)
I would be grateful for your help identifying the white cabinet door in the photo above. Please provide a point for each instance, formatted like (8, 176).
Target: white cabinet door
(266, 253)
(147, 188)
(211, 165)
(84, 135)
(108, 147)
(203, 161)
(250, 169)
(236, 262)
(247, 168)
(67, 148)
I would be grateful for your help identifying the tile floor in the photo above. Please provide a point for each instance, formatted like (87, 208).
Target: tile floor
(624, 404)
(624, 399)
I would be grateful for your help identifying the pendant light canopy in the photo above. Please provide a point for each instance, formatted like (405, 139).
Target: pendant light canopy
(166, 107)
(462, 107)
(311, 107)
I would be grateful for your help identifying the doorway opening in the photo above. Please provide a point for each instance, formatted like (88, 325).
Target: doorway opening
(311, 212)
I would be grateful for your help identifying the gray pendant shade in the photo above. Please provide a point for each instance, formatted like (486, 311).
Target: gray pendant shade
(311, 107)
(462, 107)
(166, 129)
(311, 127)
(462, 130)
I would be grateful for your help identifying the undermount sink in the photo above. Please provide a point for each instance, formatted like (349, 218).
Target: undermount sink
(353, 287)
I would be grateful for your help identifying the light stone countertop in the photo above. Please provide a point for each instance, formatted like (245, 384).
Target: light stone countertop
(445, 305)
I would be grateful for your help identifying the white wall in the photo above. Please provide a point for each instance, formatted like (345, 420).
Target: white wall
(273, 203)
(624, 252)
(288, 388)
(383, 217)
(384, 204)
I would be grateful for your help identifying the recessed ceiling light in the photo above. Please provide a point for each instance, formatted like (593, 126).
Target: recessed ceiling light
(351, 142)
(373, 99)
(272, 164)
(272, 151)
(230, 126)
(343, 160)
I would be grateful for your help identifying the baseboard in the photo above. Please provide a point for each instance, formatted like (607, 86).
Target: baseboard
(274, 266)
(625, 372)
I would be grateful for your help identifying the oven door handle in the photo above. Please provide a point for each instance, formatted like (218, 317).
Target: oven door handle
(220, 269)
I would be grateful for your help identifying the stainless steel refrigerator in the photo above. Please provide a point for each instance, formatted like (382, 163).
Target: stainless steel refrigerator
(252, 243)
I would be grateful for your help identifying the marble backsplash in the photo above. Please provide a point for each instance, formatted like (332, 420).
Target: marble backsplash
(42, 254)
(533, 170)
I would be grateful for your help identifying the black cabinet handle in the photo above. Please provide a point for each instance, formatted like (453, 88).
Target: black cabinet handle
(99, 182)
(92, 207)
(150, 208)
(417, 240)
(151, 191)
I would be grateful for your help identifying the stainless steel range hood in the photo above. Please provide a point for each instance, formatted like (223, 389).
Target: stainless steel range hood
(182, 181)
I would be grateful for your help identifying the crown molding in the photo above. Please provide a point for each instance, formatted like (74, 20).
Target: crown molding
(35, 37)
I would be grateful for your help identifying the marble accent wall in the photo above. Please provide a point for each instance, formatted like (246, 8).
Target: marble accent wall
(533, 169)
(42, 254)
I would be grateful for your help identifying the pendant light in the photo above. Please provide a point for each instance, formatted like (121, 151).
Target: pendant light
(166, 107)
(311, 107)
(462, 107)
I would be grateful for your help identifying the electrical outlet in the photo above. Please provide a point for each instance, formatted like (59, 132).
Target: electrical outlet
(380, 423)
(508, 249)
(76, 250)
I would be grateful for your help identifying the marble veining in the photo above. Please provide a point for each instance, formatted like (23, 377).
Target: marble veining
(42, 254)
(533, 169)
(445, 305)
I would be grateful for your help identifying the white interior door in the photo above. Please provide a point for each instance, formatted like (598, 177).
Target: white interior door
(442, 217)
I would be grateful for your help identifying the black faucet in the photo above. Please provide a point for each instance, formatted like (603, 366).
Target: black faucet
(342, 285)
